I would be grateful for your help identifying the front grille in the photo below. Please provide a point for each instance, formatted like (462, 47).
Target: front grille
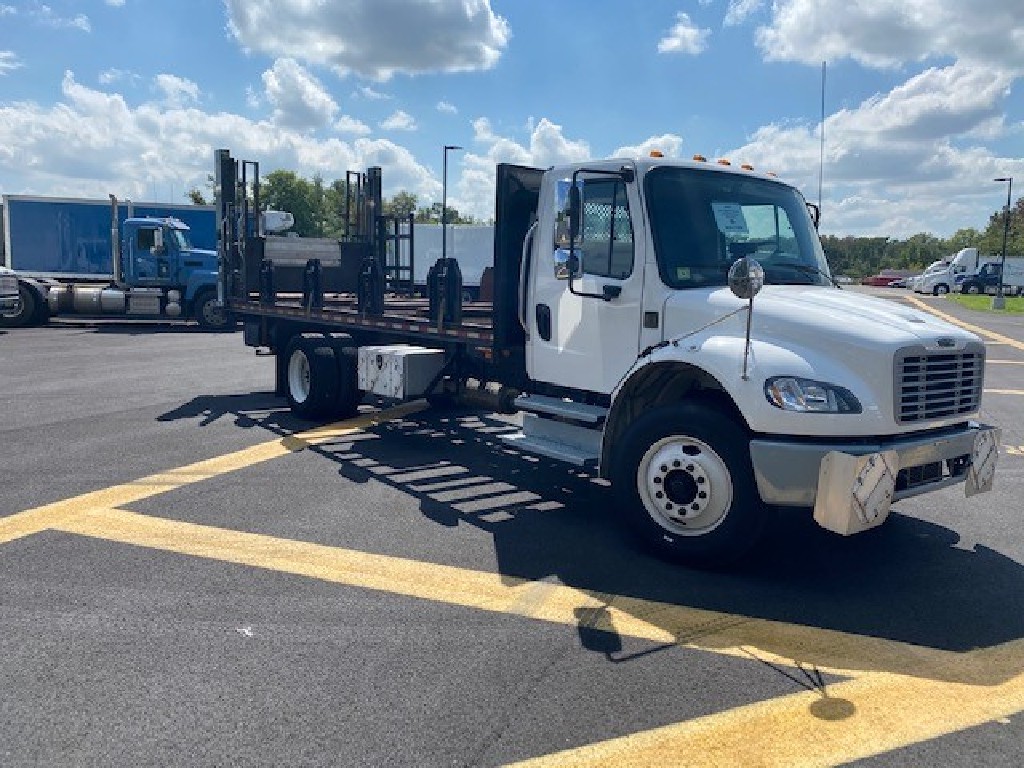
(937, 385)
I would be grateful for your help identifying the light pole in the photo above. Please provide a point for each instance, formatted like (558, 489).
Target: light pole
(999, 301)
(444, 202)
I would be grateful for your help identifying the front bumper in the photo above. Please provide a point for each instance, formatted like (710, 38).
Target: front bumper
(835, 474)
(10, 305)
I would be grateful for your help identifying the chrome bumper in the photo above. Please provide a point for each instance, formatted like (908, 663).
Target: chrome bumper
(861, 480)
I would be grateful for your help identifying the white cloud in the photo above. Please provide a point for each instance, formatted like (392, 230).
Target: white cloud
(739, 10)
(373, 38)
(366, 92)
(668, 144)
(8, 10)
(92, 143)
(114, 75)
(881, 33)
(447, 108)
(299, 99)
(9, 61)
(45, 15)
(349, 124)
(177, 90)
(900, 162)
(684, 37)
(547, 146)
(115, 3)
(399, 121)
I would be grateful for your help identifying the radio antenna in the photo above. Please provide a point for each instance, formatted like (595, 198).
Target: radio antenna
(821, 150)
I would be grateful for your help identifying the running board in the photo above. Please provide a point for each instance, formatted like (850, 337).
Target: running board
(573, 444)
(567, 410)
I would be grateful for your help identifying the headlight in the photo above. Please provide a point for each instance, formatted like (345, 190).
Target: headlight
(806, 396)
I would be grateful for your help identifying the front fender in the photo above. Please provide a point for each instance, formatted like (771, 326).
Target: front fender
(197, 281)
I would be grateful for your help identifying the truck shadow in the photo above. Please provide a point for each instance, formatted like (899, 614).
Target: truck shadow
(907, 583)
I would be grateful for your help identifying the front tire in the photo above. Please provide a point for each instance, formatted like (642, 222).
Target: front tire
(311, 377)
(685, 484)
(940, 290)
(32, 312)
(208, 314)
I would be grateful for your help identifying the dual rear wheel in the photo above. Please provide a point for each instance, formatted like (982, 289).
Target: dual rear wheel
(320, 376)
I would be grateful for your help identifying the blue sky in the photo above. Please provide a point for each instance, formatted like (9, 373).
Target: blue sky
(131, 97)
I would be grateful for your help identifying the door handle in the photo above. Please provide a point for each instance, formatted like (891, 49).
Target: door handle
(544, 321)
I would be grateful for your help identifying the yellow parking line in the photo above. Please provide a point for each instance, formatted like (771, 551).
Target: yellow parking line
(1004, 391)
(47, 516)
(1005, 362)
(984, 332)
(871, 715)
(714, 631)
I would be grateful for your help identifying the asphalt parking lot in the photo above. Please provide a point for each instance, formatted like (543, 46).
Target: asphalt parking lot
(188, 576)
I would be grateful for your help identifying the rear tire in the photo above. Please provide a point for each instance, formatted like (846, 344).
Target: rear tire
(972, 289)
(685, 484)
(349, 396)
(311, 377)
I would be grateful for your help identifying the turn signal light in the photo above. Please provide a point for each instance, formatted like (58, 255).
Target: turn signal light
(699, 159)
(657, 153)
(723, 161)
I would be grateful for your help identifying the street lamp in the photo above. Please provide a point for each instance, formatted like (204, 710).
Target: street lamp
(444, 201)
(998, 301)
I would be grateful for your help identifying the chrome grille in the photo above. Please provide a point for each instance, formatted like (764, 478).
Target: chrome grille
(938, 385)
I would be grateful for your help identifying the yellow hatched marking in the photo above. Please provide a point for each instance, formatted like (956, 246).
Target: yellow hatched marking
(871, 715)
(49, 515)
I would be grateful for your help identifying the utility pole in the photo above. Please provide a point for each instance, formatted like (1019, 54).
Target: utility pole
(999, 300)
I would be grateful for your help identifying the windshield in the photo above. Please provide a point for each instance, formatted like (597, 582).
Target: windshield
(181, 239)
(703, 221)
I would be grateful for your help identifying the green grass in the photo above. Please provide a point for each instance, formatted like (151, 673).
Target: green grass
(1014, 305)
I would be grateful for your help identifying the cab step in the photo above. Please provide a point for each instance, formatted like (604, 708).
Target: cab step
(560, 440)
(565, 410)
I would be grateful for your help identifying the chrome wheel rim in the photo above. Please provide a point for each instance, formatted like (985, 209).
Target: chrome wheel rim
(685, 486)
(298, 376)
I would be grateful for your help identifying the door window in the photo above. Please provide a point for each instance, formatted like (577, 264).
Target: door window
(604, 242)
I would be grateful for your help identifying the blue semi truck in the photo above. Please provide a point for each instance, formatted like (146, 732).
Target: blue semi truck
(100, 258)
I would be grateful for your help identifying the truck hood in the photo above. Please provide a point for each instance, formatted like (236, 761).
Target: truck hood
(818, 317)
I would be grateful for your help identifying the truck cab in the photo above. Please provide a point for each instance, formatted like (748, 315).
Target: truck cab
(159, 252)
(716, 404)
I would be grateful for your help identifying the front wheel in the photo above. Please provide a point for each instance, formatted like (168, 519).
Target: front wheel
(210, 315)
(940, 290)
(31, 311)
(684, 481)
(973, 289)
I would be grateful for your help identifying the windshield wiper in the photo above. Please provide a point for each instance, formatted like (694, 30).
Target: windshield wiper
(807, 269)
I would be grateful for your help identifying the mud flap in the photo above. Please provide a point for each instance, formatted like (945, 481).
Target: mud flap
(982, 471)
(855, 492)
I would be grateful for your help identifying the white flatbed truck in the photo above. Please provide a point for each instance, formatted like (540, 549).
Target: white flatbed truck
(670, 325)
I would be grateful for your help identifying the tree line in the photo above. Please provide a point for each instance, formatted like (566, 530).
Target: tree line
(320, 209)
(865, 256)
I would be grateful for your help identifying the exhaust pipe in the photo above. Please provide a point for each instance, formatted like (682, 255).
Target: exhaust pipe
(115, 244)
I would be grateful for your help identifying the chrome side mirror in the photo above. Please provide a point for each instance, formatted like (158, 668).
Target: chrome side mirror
(746, 278)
